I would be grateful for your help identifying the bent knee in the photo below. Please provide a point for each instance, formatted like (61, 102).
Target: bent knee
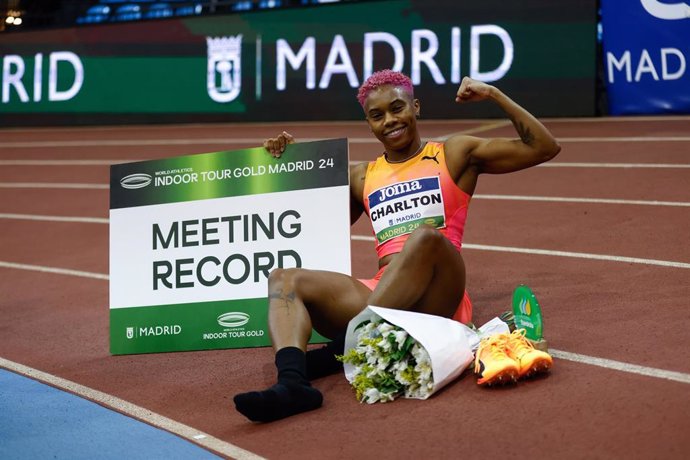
(426, 236)
(278, 276)
(286, 279)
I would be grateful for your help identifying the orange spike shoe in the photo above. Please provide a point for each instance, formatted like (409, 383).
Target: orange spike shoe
(530, 360)
(492, 364)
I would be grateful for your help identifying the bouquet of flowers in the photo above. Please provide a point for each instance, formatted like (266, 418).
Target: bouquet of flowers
(388, 362)
(391, 353)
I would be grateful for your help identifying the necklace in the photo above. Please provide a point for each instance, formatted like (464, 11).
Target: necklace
(421, 146)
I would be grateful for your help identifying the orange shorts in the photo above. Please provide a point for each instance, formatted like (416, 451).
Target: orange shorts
(462, 314)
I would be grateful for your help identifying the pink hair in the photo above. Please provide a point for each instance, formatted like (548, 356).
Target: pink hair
(383, 78)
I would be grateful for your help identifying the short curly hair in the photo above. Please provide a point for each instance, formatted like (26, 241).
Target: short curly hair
(383, 78)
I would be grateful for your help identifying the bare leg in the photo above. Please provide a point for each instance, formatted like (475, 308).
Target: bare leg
(297, 299)
(427, 276)
(301, 299)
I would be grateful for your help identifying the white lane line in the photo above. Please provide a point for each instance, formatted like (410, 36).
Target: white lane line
(579, 200)
(184, 431)
(478, 129)
(130, 142)
(281, 124)
(55, 270)
(545, 252)
(53, 185)
(558, 164)
(254, 141)
(626, 139)
(81, 220)
(626, 119)
(621, 366)
(578, 255)
(257, 141)
(104, 220)
(477, 197)
(597, 165)
(478, 247)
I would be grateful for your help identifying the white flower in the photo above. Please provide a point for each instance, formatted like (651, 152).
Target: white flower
(421, 392)
(365, 331)
(400, 365)
(376, 371)
(385, 397)
(400, 377)
(371, 353)
(400, 337)
(372, 395)
(424, 370)
(385, 328)
(377, 377)
(383, 363)
(420, 354)
(385, 345)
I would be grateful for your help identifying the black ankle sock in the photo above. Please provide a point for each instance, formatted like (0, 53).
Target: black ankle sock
(291, 395)
(291, 364)
(322, 362)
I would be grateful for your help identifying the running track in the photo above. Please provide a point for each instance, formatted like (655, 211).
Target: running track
(600, 234)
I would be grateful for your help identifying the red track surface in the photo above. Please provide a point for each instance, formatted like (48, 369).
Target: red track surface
(634, 312)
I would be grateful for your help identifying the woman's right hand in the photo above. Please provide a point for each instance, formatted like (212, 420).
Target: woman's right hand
(276, 145)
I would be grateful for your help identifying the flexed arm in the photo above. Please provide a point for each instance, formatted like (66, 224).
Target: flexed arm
(499, 155)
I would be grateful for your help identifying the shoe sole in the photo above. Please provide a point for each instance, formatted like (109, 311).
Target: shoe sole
(504, 377)
(539, 366)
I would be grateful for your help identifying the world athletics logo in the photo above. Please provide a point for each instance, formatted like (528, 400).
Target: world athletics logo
(233, 319)
(135, 181)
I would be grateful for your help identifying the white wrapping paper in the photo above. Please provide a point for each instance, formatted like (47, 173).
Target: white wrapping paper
(449, 343)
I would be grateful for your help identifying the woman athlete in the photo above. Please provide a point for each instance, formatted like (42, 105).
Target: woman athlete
(420, 269)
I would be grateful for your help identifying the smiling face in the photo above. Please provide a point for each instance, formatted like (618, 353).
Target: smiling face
(392, 116)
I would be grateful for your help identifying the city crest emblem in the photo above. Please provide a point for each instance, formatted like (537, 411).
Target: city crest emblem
(224, 71)
(130, 332)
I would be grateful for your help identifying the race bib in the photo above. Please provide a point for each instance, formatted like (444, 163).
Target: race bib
(400, 208)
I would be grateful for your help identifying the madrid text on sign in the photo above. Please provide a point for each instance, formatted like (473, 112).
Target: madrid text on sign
(424, 46)
(14, 78)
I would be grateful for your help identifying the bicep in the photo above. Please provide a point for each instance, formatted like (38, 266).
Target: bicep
(499, 156)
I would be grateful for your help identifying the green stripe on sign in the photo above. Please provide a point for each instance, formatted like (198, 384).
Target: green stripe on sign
(193, 326)
(409, 227)
(253, 171)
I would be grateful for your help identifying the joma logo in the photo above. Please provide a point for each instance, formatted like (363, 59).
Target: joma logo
(399, 189)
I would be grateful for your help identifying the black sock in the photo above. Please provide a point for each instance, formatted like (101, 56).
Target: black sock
(291, 395)
(322, 362)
